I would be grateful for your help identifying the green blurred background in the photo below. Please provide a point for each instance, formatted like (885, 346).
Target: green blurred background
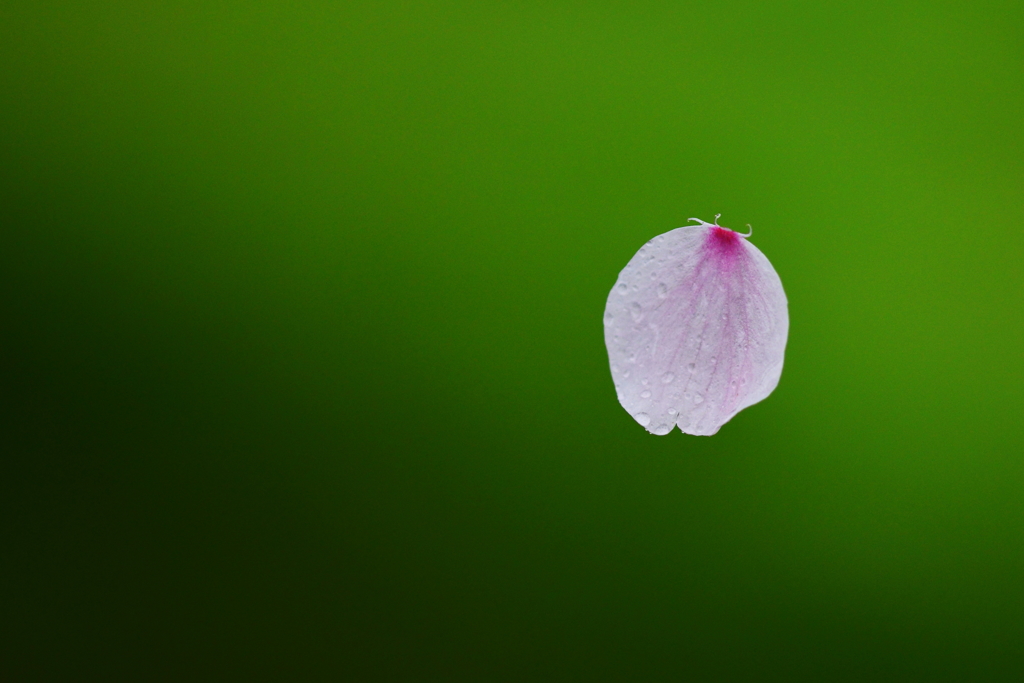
(303, 371)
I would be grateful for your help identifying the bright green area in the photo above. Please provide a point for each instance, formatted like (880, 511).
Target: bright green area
(304, 375)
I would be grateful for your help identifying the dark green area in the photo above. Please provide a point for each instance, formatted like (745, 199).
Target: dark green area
(303, 373)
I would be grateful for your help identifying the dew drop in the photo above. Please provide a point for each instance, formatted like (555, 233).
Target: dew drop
(667, 377)
(691, 367)
(622, 288)
(643, 418)
(697, 398)
(662, 290)
(637, 311)
(608, 318)
(645, 394)
(662, 429)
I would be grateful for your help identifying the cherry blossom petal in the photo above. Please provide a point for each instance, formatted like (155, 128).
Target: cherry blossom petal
(696, 329)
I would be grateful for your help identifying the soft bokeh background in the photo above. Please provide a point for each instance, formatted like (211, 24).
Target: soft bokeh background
(303, 372)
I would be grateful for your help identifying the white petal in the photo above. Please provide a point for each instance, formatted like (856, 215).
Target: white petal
(696, 329)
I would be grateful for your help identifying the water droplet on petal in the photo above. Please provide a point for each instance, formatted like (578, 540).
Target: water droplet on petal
(667, 377)
(645, 394)
(691, 367)
(622, 288)
(636, 311)
(643, 418)
(697, 398)
(662, 290)
(662, 429)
